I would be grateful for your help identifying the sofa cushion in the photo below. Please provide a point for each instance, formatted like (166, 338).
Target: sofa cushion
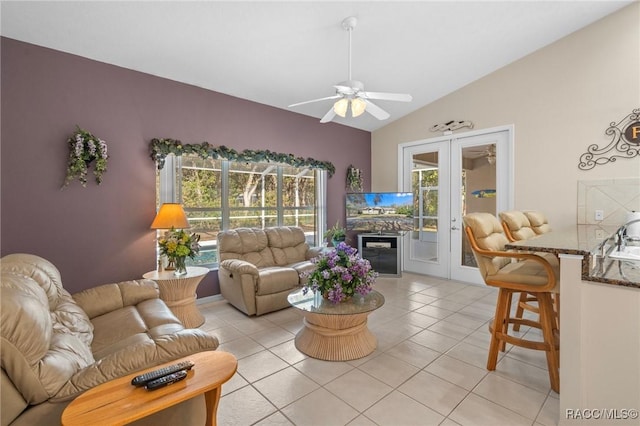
(288, 244)
(248, 244)
(116, 326)
(276, 279)
(99, 300)
(132, 325)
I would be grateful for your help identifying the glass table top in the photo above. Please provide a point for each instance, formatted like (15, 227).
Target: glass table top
(314, 302)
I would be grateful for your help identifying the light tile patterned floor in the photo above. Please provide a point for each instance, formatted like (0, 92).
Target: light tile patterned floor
(429, 368)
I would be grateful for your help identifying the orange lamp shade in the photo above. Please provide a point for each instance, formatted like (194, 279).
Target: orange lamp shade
(170, 215)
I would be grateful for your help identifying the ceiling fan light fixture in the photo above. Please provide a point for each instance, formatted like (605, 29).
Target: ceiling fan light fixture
(357, 107)
(340, 107)
(351, 94)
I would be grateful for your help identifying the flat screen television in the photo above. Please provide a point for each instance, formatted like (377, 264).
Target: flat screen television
(382, 212)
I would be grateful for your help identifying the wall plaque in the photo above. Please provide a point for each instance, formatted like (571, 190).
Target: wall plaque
(625, 143)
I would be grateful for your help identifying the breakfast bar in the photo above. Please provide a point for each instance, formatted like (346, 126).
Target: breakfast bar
(600, 325)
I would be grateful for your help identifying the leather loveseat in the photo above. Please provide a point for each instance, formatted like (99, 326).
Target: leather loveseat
(55, 346)
(260, 267)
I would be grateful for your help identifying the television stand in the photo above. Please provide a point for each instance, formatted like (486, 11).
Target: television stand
(383, 251)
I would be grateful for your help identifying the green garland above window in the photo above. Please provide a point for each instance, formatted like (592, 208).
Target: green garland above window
(160, 148)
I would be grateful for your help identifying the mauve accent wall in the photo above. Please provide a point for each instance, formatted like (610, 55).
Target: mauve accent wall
(100, 234)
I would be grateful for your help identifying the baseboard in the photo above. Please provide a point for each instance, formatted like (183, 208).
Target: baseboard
(209, 299)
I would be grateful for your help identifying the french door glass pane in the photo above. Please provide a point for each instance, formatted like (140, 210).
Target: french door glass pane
(478, 189)
(424, 241)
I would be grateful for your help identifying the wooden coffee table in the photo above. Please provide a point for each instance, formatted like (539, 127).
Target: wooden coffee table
(117, 402)
(335, 332)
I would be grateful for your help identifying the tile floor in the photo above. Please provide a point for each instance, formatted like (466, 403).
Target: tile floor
(429, 367)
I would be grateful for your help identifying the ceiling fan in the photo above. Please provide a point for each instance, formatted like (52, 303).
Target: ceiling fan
(351, 93)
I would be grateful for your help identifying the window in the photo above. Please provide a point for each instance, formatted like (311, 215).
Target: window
(220, 194)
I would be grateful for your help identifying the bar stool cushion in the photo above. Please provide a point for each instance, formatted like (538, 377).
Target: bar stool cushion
(539, 222)
(517, 226)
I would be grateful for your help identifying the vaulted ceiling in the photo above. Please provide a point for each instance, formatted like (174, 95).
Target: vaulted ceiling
(280, 53)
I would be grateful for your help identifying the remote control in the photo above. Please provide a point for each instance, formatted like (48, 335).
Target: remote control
(166, 380)
(143, 379)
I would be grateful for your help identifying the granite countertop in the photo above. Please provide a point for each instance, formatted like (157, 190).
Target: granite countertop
(583, 240)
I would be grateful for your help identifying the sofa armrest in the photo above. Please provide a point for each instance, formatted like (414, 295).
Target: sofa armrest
(109, 297)
(313, 252)
(239, 267)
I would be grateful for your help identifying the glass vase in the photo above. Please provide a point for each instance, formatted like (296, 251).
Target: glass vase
(180, 265)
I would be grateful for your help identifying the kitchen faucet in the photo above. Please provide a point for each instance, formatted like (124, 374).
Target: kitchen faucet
(621, 233)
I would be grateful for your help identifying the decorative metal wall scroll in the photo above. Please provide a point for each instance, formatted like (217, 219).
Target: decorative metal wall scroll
(625, 143)
(354, 179)
(451, 125)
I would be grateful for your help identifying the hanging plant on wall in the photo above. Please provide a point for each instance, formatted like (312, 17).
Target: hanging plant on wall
(354, 179)
(160, 148)
(84, 149)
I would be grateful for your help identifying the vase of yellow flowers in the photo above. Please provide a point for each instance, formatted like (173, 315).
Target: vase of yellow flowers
(177, 245)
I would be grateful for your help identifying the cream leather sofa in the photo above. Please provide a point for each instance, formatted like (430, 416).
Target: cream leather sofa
(260, 267)
(55, 346)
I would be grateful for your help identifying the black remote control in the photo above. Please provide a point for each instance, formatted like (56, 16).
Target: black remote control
(166, 380)
(145, 378)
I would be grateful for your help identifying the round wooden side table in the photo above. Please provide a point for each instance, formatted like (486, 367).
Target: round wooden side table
(179, 293)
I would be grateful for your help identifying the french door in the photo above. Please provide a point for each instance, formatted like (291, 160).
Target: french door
(451, 176)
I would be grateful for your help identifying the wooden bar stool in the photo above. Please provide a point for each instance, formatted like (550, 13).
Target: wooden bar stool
(518, 227)
(531, 274)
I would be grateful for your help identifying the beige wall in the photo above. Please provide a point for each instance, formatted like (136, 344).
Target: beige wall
(560, 100)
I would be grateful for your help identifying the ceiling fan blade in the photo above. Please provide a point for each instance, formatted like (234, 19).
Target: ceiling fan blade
(376, 111)
(401, 97)
(328, 116)
(336, 96)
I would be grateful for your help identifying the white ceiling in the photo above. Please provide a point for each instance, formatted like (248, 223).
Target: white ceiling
(279, 53)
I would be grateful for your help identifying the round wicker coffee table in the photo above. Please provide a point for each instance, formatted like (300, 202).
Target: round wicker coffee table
(179, 293)
(335, 332)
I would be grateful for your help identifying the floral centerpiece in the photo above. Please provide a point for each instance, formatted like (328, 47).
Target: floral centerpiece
(177, 245)
(84, 149)
(340, 273)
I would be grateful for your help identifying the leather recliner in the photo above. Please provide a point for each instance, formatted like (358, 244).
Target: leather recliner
(56, 346)
(260, 267)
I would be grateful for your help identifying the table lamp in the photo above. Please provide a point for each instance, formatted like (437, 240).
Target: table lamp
(170, 216)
